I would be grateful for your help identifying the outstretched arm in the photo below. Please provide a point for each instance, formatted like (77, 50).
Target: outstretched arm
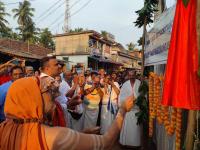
(64, 138)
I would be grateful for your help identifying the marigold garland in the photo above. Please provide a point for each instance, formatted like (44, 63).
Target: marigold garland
(169, 116)
(178, 129)
(151, 85)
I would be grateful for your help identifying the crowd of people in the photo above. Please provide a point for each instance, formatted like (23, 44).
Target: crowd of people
(67, 109)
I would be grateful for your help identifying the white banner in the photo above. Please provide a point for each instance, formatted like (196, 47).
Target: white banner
(158, 39)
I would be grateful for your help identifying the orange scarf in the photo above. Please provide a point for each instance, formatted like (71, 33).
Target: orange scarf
(23, 101)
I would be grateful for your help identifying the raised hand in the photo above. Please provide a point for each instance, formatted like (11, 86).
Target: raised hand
(128, 103)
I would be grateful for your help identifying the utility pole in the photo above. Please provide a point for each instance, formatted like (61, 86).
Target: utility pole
(67, 16)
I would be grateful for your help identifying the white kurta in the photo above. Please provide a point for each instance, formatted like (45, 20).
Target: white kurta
(62, 99)
(131, 133)
(64, 87)
(106, 116)
(77, 124)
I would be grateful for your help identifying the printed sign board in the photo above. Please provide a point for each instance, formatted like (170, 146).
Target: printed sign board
(158, 39)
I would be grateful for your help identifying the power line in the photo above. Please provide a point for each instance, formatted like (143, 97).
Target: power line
(12, 3)
(30, 25)
(42, 14)
(81, 8)
(70, 15)
(58, 18)
(53, 11)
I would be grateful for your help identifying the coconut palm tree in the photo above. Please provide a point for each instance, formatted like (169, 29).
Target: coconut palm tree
(4, 30)
(104, 34)
(131, 46)
(24, 14)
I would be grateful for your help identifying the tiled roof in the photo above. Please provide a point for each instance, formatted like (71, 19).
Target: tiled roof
(18, 53)
(22, 49)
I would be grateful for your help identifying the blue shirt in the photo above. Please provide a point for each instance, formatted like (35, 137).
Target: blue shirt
(3, 92)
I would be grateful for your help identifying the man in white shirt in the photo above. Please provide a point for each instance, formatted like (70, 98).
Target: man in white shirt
(51, 68)
(131, 132)
(65, 85)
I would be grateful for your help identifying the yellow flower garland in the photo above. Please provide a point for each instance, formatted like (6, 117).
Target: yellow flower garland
(171, 118)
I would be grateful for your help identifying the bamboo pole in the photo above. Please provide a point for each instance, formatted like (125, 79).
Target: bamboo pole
(189, 141)
(192, 114)
(143, 43)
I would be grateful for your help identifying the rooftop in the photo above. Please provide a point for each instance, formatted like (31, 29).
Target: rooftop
(22, 49)
(77, 33)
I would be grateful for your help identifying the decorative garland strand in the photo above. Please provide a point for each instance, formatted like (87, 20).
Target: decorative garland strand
(170, 117)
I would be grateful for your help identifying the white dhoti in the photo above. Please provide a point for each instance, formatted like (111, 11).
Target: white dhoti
(109, 107)
(131, 132)
(106, 118)
(90, 117)
(76, 124)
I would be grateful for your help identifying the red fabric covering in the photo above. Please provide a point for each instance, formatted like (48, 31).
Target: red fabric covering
(182, 85)
(58, 117)
(4, 79)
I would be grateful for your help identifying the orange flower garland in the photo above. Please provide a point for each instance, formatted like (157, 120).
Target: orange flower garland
(172, 125)
(158, 99)
(156, 95)
(178, 129)
(171, 118)
(151, 85)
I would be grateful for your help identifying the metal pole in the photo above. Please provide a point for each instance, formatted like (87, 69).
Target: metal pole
(67, 16)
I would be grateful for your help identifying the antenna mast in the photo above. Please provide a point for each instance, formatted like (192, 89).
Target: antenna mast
(67, 16)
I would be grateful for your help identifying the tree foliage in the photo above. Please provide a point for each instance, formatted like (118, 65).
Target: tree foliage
(145, 17)
(146, 12)
(4, 30)
(131, 46)
(104, 34)
(142, 103)
(24, 14)
(45, 39)
(76, 30)
(140, 42)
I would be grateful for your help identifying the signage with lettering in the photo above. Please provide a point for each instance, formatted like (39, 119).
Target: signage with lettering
(158, 39)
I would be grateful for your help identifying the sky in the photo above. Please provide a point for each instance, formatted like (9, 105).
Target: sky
(113, 16)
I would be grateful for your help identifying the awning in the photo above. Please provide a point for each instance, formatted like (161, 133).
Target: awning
(103, 60)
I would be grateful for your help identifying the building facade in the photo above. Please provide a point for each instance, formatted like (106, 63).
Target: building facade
(93, 50)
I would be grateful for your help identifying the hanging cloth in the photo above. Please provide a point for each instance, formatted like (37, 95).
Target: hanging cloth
(182, 84)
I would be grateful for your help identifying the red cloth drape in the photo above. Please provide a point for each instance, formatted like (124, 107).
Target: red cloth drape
(58, 116)
(182, 85)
